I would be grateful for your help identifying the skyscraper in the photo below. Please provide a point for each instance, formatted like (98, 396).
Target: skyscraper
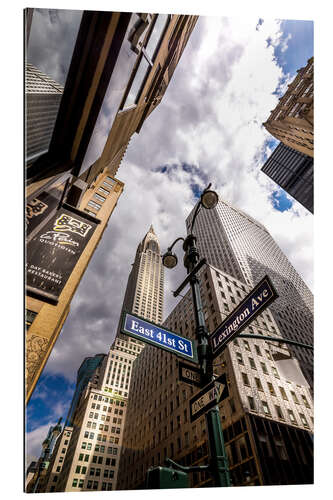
(98, 409)
(293, 171)
(43, 96)
(237, 244)
(144, 291)
(266, 419)
(291, 122)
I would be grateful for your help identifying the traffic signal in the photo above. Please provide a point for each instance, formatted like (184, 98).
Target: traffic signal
(166, 477)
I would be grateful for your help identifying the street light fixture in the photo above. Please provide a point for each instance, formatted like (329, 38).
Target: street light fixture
(218, 458)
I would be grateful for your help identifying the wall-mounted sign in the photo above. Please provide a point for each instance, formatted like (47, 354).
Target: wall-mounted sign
(38, 209)
(54, 251)
(254, 303)
(158, 336)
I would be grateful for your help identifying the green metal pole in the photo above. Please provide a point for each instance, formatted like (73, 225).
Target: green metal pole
(218, 456)
(275, 339)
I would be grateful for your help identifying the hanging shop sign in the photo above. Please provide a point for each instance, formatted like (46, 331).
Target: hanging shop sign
(54, 251)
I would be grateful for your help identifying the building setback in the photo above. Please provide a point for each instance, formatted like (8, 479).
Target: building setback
(291, 122)
(293, 172)
(267, 419)
(239, 245)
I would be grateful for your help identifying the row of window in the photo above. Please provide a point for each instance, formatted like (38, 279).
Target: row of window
(279, 412)
(96, 459)
(91, 485)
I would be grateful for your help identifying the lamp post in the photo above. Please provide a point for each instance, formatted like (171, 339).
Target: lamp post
(218, 458)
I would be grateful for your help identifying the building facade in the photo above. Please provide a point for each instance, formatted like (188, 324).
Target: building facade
(40, 470)
(291, 122)
(267, 419)
(50, 288)
(239, 245)
(293, 172)
(92, 459)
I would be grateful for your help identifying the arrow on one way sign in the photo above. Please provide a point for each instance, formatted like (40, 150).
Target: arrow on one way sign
(208, 397)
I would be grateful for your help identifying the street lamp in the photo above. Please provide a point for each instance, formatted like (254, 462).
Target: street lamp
(218, 458)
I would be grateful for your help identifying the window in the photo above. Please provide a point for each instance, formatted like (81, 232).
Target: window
(78, 469)
(251, 403)
(146, 60)
(257, 348)
(245, 379)
(265, 407)
(258, 384)
(106, 193)
(275, 372)
(271, 388)
(81, 483)
(74, 483)
(264, 368)
(252, 363)
(303, 419)
(94, 205)
(99, 197)
(246, 345)
(292, 416)
(305, 401)
(283, 393)
(293, 395)
(279, 412)
(239, 358)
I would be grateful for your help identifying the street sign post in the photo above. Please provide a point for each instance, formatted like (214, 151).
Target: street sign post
(254, 303)
(189, 374)
(208, 397)
(153, 334)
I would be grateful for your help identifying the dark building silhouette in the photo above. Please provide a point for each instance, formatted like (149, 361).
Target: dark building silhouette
(293, 172)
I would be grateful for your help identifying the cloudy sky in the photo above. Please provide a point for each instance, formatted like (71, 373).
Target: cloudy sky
(208, 128)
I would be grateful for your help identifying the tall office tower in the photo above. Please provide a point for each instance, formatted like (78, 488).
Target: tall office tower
(237, 244)
(37, 481)
(291, 122)
(84, 375)
(43, 96)
(145, 285)
(267, 418)
(293, 171)
(57, 460)
(97, 418)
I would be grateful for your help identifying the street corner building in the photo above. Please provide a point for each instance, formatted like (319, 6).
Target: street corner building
(116, 71)
(291, 122)
(267, 418)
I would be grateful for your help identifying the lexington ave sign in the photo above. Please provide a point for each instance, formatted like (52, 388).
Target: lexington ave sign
(253, 304)
(144, 330)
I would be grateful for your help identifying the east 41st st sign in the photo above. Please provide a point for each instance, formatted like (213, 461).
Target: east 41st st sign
(153, 334)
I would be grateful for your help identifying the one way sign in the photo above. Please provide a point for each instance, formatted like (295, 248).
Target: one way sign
(208, 397)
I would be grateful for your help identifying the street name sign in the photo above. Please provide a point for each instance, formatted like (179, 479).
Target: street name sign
(189, 374)
(254, 303)
(144, 330)
(208, 397)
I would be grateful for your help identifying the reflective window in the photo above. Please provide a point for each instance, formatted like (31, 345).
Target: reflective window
(147, 58)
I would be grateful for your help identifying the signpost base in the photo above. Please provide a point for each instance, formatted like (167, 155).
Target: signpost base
(219, 460)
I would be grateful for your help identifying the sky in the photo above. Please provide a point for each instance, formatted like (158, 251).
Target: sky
(208, 128)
